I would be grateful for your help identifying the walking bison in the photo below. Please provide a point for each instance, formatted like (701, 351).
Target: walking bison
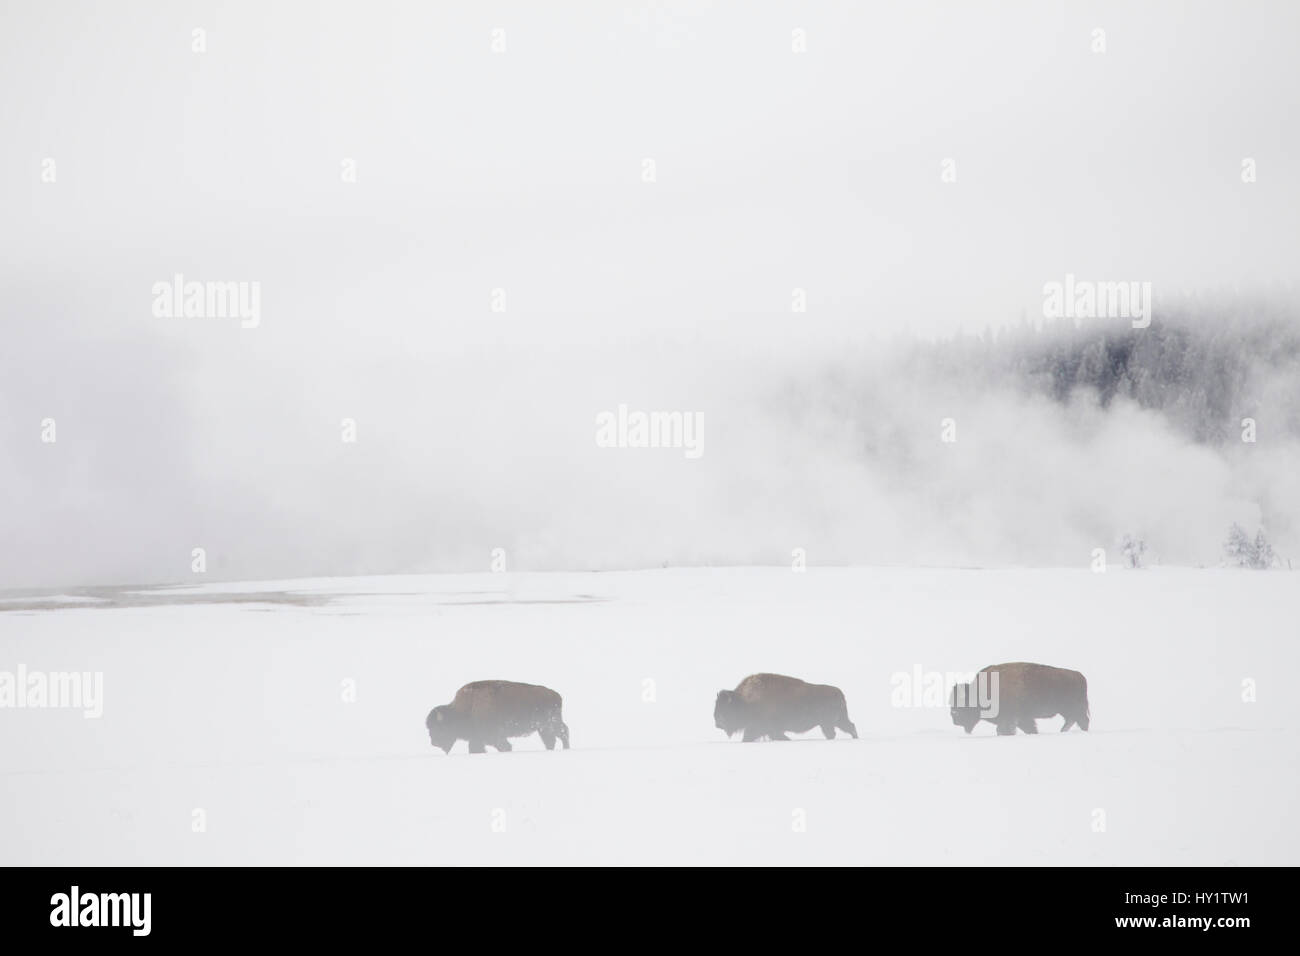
(1014, 695)
(770, 705)
(487, 713)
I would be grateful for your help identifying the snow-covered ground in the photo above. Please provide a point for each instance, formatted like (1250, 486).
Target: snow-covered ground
(237, 709)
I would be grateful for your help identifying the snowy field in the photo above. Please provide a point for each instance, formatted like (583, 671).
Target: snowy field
(230, 700)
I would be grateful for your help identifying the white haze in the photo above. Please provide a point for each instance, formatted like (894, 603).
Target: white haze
(522, 171)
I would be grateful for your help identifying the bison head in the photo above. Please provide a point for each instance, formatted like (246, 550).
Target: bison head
(727, 713)
(440, 723)
(964, 707)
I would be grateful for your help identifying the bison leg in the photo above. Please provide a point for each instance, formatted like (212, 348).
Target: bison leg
(1006, 729)
(477, 747)
(828, 731)
(1029, 725)
(777, 735)
(1069, 722)
(503, 745)
(846, 725)
(554, 728)
(750, 736)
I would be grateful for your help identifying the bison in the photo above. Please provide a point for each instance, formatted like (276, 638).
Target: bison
(489, 712)
(769, 705)
(1015, 695)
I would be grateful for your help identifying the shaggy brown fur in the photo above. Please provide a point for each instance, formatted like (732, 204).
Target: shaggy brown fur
(1022, 693)
(770, 705)
(489, 712)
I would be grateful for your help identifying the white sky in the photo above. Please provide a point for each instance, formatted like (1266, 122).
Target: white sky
(522, 171)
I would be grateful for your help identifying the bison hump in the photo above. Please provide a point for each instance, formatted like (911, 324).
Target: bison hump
(503, 694)
(757, 687)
